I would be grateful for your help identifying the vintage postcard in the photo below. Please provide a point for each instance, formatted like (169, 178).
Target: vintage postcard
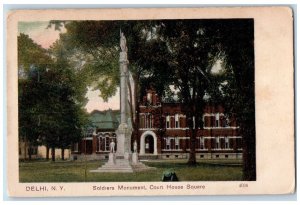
(148, 102)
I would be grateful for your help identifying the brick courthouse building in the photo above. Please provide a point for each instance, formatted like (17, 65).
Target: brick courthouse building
(163, 133)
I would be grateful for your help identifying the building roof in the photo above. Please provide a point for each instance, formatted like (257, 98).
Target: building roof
(105, 120)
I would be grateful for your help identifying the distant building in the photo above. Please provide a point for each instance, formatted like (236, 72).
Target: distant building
(39, 152)
(95, 143)
(163, 133)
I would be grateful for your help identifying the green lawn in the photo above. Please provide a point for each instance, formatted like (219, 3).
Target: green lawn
(74, 171)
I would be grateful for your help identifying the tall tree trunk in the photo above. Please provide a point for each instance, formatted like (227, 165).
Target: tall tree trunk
(192, 157)
(63, 153)
(193, 135)
(47, 152)
(53, 154)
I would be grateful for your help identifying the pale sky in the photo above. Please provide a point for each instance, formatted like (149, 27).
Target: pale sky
(39, 33)
(97, 103)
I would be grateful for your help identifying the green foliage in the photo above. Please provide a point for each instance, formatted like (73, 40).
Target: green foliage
(29, 54)
(51, 97)
(235, 46)
(91, 48)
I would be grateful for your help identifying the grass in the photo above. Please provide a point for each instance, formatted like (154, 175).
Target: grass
(74, 171)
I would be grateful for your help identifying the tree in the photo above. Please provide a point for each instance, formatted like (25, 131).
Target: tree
(191, 62)
(51, 98)
(64, 115)
(235, 43)
(74, 117)
(32, 61)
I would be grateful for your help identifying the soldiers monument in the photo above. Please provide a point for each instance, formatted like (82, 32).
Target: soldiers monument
(123, 160)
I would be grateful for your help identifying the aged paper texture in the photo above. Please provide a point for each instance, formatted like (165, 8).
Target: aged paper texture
(274, 110)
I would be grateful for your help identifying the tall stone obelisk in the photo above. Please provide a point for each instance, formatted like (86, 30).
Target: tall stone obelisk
(124, 131)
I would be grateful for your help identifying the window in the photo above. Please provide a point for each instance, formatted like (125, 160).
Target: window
(217, 124)
(99, 144)
(176, 143)
(217, 143)
(194, 122)
(150, 121)
(167, 140)
(146, 120)
(201, 142)
(168, 121)
(142, 120)
(172, 143)
(107, 142)
(226, 143)
(176, 121)
(212, 121)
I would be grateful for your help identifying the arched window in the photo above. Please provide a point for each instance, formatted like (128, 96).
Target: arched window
(100, 143)
(150, 121)
(107, 141)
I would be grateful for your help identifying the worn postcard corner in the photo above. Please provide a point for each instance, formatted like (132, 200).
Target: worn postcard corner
(148, 102)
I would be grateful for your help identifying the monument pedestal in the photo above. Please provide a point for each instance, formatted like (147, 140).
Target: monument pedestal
(123, 165)
(123, 160)
(135, 159)
(124, 140)
(111, 159)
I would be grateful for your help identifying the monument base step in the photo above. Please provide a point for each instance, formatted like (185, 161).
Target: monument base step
(123, 165)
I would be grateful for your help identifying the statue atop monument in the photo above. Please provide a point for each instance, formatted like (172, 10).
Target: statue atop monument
(123, 54)
(123, 42)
